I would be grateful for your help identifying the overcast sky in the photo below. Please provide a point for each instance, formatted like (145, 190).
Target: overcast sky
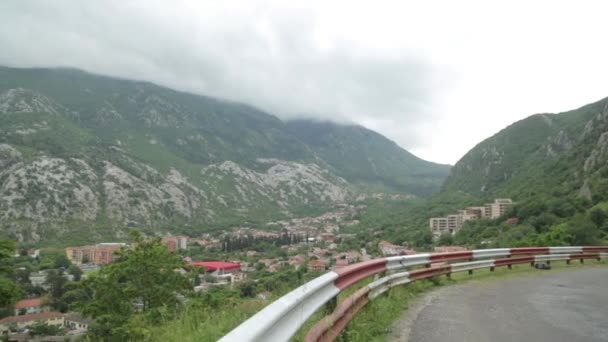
(436, 77)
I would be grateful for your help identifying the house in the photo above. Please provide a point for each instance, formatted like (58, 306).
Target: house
(39, 279)
(176, 242)
(23, 321)
(30, 306)
(327, 237)
(76, 321)
(317, 265)
(341, 263)
(388, 248)
(212, 266)
(512, 221)
(222, 271)
(297, 260)
(449, 249)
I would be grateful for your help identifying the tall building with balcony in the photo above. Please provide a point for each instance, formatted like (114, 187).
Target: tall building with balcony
(452, 223)
(498, 208)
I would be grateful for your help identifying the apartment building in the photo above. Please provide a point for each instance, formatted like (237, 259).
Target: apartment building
(176, 242)
(498, 208)
(452, 223)
(100, 254)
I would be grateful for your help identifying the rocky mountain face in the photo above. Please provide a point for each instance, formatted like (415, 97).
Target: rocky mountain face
(85, 157)
(540, 154)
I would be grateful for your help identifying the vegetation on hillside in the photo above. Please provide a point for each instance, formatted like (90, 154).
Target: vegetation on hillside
(88, 155)
(366, 157)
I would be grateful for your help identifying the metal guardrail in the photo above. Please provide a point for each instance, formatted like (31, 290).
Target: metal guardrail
(281, 319)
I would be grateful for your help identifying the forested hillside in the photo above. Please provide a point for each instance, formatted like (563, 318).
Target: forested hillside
(84, 156)
(554, 166)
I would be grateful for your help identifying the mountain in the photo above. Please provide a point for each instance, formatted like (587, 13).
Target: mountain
(363, 156)
(84, 156)
(559, 154)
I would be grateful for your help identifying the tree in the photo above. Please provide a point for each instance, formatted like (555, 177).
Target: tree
(598, 216)
(248, 289)
(56, 283)
(445, 240)
(143, 277)
(75, 271)
(9, 291)
(62, 261)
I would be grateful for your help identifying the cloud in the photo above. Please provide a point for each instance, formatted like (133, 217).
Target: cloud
(280, 59)
(435, 76)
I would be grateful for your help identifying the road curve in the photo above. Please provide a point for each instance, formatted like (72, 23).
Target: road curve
(556, 306)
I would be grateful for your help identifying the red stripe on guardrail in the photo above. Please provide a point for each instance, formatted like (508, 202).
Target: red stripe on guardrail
(513, 261)
(595, 249)
(353, 273)
(329, 328)
(584, 256)
(529, 250)
(453, 256)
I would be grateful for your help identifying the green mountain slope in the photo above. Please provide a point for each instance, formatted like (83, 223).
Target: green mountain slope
(540, 154)
(365, 157)
(83, 156)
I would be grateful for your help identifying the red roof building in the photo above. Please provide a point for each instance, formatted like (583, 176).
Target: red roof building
(50, 318)
(317, 265)
(30, 306)
(211, 266)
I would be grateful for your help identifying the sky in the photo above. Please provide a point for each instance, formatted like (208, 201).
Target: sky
(437, 77)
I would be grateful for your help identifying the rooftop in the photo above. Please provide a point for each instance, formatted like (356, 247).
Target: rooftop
(31, 317)
(28, 303)
(215, 265)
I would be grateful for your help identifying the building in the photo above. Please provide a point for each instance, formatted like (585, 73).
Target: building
(176, 242)
(317, 266)
(328, 237)
(23, 321)
(448, 225)
(498, 208)
(76, 321)
(222, 271)
(100, 254)
(452, 223)
(212, 266)
(449, 249)
(30, 306)
(341, 263)
(388, 249)
(478, 212)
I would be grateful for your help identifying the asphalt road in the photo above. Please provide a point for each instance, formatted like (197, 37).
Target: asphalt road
(556, 306)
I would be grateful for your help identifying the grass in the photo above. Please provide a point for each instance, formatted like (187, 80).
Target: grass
(372, 323)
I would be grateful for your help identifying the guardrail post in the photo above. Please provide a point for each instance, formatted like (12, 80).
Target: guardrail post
(509, 266)
(582, 261)
(568, 262)
(449, 275)
(532, 263)
(492, 269)
(470, 272)
(548, 262)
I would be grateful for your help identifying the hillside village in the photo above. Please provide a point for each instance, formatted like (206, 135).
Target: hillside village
(312, 244)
